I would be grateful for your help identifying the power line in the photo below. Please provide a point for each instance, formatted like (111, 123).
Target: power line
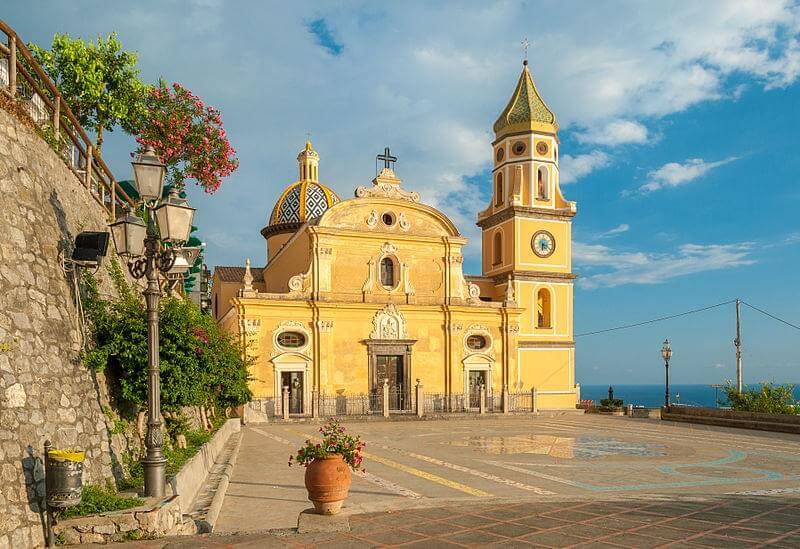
(763, 312)
(693, 311)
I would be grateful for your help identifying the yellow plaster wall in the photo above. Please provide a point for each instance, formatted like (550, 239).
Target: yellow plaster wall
(294, 259)
(547, 369)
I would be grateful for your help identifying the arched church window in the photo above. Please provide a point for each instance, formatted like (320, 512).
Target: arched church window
(543, 309)
(387, 272)
(541, 183)
(497, 257)
(498, 193)
(291, 340)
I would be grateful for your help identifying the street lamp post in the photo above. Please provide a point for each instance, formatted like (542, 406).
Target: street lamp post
(666, 354)
(151, 250)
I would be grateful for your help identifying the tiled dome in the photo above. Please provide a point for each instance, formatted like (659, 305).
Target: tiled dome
(302, 201)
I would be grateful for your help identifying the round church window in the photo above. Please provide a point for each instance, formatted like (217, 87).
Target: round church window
(519, 148)
(291, 340)
(476, 342)
(500, 154)
(388, 219)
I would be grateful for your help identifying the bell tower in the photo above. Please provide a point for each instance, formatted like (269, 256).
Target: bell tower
(527, 238)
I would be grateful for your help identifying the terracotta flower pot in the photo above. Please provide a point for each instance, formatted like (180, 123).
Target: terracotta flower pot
(328, 482)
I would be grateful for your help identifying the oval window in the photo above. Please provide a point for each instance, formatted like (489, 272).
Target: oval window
(476, 342)
(519, 148)
(291, 340)
(388, 219)
(500, 154)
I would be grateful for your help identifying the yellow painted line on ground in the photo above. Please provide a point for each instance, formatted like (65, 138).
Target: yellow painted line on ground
(469, 471)
(428, 476)
(417, 472)
(374, 479)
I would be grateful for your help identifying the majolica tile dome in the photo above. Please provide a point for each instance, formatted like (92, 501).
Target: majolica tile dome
(304, 200)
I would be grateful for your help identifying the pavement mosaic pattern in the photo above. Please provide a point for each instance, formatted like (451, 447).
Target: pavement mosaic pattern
(425, 463)
(722, 521)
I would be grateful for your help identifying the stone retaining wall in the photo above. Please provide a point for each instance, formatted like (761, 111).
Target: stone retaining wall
(45, 391)
(160, 517)
(731, 418)
(154, 521)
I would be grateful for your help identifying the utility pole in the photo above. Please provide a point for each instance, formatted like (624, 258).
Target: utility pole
(738, 343)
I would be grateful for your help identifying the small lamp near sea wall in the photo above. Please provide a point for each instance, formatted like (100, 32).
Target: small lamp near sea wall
(666, 354)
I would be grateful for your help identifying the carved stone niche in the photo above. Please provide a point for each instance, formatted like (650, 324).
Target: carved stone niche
(388, 323)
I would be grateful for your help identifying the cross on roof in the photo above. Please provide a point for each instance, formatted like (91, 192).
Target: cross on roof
(525, 45)
(387, 158)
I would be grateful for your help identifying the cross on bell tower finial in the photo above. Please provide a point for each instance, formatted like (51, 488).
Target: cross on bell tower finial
(525, 45)
(387, 158)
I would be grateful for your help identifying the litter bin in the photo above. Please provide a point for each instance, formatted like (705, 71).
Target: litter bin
(63, 477)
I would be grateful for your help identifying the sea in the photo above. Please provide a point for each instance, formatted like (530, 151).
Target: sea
(652, 396)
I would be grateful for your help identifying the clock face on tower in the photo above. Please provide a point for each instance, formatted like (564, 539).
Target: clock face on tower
(543, 244)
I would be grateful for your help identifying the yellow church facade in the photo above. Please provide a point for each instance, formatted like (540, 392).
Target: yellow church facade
(370, 291)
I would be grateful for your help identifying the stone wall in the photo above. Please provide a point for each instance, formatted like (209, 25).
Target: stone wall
(45, 391)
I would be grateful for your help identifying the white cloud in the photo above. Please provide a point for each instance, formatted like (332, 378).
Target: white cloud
(572, 168)
(616, 132)
(409, 78)
(675, 174)
(606, 267)
(618, 230)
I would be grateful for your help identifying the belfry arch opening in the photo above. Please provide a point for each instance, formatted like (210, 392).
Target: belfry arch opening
(544, 308)
(498, 192)
(497, 249)
(542, 184)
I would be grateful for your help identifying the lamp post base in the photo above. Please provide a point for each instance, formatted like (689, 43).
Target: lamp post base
(155, 477)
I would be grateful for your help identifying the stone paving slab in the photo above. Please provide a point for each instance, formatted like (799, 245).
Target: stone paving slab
(721, 521)
(436, 463)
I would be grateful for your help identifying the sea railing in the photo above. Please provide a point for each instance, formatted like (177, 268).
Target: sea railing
(24, 81)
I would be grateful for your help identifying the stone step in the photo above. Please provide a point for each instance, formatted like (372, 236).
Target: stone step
(205, 508)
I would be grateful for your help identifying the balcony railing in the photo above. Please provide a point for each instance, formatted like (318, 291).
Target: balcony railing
(24, 81)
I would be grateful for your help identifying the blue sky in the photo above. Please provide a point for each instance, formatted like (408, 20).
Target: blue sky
(679, 141)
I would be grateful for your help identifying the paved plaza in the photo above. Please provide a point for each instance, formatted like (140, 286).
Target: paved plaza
(558, 481)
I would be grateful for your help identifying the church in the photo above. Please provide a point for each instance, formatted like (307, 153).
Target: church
(357, 293)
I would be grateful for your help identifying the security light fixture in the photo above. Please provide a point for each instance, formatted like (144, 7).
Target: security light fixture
(90, 248)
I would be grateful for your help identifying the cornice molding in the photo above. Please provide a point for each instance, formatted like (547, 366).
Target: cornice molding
(548, 344)
(526, 212)
(537, 276)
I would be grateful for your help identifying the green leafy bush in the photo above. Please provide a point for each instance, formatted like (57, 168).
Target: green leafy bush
(611, 403)
(100, 499)
(768, 398)
(200, 364)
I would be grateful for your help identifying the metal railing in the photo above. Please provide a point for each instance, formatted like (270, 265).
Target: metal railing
(403, 402)
(24, 81)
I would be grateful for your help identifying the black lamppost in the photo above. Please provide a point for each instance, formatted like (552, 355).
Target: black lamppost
(666, 354)
(151, 250)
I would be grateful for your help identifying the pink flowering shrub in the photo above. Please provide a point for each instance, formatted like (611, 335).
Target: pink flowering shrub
(188, 136)
(334, 441)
